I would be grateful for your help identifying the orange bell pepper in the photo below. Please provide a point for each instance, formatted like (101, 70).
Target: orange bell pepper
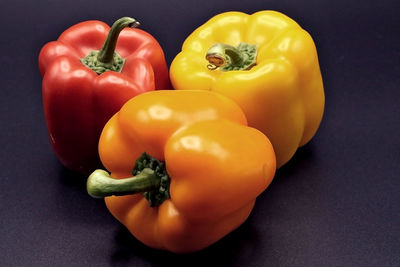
(201, 171)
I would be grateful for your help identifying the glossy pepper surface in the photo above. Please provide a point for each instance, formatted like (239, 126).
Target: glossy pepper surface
(265, 62)
(88, 74)
(197, 140)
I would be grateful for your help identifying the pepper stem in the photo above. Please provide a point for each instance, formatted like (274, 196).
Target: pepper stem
(227, 57)
(106, 53)
(107, 58)
(149, 177)
(100, 184)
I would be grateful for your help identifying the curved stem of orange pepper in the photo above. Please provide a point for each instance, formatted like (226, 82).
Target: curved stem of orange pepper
(150, 178)
(100, 184)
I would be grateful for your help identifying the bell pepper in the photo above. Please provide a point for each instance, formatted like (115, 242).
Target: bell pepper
(88, 74)
(200, 168)
(265, 62)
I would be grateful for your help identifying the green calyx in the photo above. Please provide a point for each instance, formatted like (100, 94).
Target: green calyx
(150, 178)
(161, 193)
(228, 58)
(106, 59)
(91, 61)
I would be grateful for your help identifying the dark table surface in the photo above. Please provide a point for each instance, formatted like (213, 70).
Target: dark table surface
(336, 203)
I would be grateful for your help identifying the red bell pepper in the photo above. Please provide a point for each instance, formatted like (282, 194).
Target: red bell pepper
(88, 74)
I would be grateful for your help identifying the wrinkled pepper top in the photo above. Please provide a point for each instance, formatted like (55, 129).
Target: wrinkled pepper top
(216, 164)
(280, 91)
(133, 44)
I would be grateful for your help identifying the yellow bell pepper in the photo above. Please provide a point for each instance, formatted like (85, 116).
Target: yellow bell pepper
(265, 62)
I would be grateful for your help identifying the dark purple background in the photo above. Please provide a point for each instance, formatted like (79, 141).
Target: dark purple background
(335, 204)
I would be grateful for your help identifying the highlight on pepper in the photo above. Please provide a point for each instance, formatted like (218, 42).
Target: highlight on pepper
(267, 64)
(184, 169)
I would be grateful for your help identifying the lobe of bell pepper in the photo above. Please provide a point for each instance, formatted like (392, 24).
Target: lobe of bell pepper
(281, 94)
(80, 95)
(216, 164)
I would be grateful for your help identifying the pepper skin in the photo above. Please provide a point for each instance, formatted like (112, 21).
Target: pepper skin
(79, 99)
(281, 92)
(216, 164)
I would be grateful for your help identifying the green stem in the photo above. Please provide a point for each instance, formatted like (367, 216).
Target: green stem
(227, 57)
(107, 59)
(106, 53)
(217, 54)
(100, 184)
(150, 177)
